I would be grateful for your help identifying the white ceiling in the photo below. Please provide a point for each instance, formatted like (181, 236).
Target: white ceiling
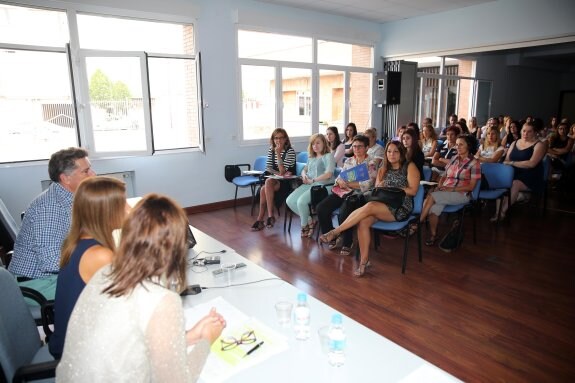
(380, 11)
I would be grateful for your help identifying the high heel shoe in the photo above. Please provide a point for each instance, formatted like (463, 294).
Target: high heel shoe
(258, 225)
(328, 237)
(305, 231)
(311, 228)
(361, 269)
(270, 222)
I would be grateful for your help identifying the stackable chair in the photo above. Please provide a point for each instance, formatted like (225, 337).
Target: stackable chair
(233, 174)
(500, 179)
(23, 357)
(302, 157)
(402, 227)
(462, 208)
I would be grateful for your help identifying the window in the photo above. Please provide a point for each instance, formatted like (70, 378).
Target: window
(105, 94)
(281, 67)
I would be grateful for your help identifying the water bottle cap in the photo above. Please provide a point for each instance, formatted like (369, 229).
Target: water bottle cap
(336, 318)
(301, 297)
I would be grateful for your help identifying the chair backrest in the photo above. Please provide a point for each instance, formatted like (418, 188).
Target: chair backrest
(426, 173)
(418, 200)
(336, 172)
(8, 221)
(476, 190)
(19, 337)
(301, 157)
(231, 172)
(498, 176)
(260, 163)
(299, 167)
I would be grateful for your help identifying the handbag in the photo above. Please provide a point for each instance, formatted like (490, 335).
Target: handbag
(392, 197)
(318, 193)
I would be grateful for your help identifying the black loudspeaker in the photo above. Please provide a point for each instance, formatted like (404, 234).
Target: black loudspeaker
(388, 88)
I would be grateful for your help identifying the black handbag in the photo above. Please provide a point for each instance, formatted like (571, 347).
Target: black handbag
(318, 193)
(392, 197)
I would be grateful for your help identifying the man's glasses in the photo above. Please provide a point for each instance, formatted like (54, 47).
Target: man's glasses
(230, 342)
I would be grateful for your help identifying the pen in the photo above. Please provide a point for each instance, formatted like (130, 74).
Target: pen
(254, 348)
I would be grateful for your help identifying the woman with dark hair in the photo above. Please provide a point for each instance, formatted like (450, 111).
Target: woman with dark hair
(414, 153)
(336, 147)
(342, 189)
(98, 209)
(455, 187)
(280, 161)
(560, 145)
(350, 132)
(397, 172)
(513, 135)
(444, 153)
(462, 125)
(128, 324)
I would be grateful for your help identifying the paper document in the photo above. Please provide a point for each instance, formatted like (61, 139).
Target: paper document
(358, 173)
(221, 364)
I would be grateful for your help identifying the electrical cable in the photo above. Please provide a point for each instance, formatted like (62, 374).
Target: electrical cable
(241, 284)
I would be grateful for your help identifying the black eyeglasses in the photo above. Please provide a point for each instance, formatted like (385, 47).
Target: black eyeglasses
(230, 342)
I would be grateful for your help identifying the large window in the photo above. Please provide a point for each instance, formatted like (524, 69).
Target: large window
(331, 90)
(114, 85)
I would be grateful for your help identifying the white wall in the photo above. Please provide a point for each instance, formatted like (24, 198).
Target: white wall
(198, 178)
(480, 27)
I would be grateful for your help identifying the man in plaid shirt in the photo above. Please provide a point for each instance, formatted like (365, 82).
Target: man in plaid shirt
(47, 220)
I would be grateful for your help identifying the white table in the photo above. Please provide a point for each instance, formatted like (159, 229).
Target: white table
(369, 356)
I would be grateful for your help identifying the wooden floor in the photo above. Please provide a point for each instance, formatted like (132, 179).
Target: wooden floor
(500, 311)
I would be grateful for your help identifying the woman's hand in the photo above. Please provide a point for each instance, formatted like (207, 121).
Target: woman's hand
(209, 328)
(342, 184)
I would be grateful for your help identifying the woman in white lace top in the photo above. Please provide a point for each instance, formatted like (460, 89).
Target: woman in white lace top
(128, 324)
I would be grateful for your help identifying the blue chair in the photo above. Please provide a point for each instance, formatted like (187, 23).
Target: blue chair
(402, 227)
(301, 157)
(500, 178)
(233, 174)
(464, 207)
(22, 355)
(426, 173)
(299, 167)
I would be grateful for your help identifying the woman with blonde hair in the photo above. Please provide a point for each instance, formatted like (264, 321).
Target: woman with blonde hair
(428, 142)
(490, 150)
(98, 209)
(280, 161)
(128, 324)
(318, 170)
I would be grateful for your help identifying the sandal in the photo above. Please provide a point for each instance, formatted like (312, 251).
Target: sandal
(270, 222)
(431, 241)
(328, 237)
(361, 269)
(412, 230)
(335, 244)
(258, 225)
(346, 250)
(311, 228)
(305, 231)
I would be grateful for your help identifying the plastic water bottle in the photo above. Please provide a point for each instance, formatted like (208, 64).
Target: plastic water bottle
(301, 317)
(336, 334)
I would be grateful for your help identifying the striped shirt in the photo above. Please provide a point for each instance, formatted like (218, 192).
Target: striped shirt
(288, 157)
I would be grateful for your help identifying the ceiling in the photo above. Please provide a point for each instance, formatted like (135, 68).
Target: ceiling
(380, 11)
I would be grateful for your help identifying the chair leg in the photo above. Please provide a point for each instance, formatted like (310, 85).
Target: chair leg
(419, 239)
(473, 215)
(253, 187)
(290, 218)
(235, 197)
(404, 265)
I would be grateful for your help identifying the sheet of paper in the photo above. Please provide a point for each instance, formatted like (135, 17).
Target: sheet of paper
(223, 364)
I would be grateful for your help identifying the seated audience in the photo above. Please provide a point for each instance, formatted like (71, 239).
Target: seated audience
(461, 175)
(414, 153)
(128, 324)
(280, 161)
(414, 126)
(336, 147)
(36, 258)
(512, 135)
(375, 150)
(525, 155)
(473, 128)
(400, 131)
(428, 141)
(396, 172)
(452, 122)
(444, 153)
(560, 145)
(318, 170)
(462, 125)
(341, 190)
(492, 122)
(350, 133)
(99, 208)
(490, 150)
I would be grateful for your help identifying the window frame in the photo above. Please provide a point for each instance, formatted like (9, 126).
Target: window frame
(315, 70)
(79, 83)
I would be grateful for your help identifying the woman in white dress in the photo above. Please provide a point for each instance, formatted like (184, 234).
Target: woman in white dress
(128, 323)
